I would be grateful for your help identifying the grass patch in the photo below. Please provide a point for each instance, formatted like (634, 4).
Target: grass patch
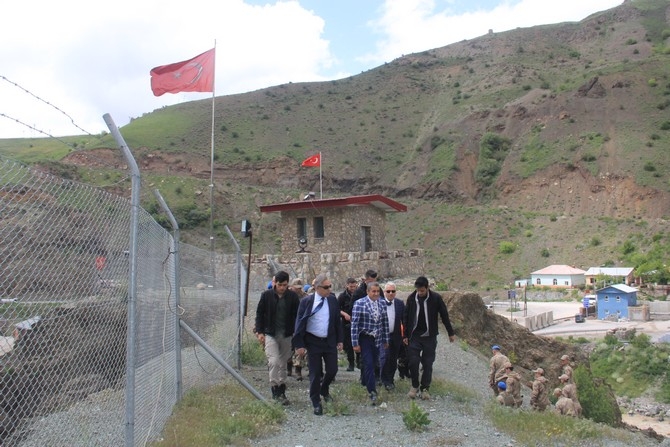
(252, 353)
(222, 415)
(533, 428)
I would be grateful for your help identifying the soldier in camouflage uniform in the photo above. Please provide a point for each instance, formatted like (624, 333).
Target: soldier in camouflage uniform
(539, 399)
(513, 381)
(496, 369)
(564, 405)
(504, 397)
(570, 391)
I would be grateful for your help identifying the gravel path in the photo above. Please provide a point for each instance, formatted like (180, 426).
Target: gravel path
(452, 423)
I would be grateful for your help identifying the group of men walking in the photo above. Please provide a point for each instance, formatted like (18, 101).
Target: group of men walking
(506, 385)
(367, 320)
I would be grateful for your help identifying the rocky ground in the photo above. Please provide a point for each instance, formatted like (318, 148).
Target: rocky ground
(453, 422)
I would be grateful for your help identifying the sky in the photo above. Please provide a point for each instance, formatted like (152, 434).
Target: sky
(64, 64)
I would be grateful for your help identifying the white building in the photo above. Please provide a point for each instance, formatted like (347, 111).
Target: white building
(558, 276)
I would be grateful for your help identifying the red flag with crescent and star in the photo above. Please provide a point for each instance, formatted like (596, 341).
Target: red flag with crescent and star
(312, 162)
(193, 75)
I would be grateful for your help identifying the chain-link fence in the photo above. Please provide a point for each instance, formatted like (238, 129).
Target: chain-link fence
(65, 255)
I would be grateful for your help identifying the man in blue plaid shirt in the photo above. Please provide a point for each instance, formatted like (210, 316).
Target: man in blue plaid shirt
(369, 334)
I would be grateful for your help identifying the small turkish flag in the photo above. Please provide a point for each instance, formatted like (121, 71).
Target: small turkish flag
(312, 162)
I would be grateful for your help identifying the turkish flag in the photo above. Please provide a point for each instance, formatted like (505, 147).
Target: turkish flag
(193, 75)
(312, 162)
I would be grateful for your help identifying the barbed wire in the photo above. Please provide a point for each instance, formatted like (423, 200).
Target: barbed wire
(47, 134)
(45, 102)
(38, 130)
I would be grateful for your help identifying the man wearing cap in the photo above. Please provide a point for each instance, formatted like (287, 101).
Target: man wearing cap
(570, 391)
(539, 399)
(496, 368)
(504, 397)
(513, 381)
(564, 405)
(567, 369)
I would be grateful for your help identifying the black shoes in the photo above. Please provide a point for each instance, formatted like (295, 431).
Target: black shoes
(327, 398)
(373, 398)
(351, 367)
(318, 410)
(389, 387)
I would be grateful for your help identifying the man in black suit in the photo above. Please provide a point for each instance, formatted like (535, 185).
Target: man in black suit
(318, 329)
(389, 357)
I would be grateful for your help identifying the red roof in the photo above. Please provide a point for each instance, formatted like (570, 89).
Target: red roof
(376, 200)
(559, 270)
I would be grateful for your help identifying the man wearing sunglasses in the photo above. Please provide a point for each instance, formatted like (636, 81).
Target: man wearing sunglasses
(318, 330)
(395, 308)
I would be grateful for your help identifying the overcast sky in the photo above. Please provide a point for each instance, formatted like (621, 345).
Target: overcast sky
(88, 57)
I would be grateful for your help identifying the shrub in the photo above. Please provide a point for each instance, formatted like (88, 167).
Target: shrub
(649, 167)
(665, 125)
(598, 401)
(506, 247)
(415, 418)
(545, 253)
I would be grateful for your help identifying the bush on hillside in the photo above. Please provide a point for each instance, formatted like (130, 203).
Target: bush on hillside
(597, 399)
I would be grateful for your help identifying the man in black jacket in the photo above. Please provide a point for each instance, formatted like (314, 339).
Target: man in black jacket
(420, 319)
(346, 302)
(275, 323)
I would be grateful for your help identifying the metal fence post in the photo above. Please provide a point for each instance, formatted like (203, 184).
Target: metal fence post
(176, 287)
(132, 285)
(238, 280)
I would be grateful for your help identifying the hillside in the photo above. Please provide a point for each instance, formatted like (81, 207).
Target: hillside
(574, 118)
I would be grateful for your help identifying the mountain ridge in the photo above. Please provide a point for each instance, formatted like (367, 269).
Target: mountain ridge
(547, 138)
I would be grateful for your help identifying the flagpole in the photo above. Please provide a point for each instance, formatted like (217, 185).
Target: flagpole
(211, 175)
(320, 175)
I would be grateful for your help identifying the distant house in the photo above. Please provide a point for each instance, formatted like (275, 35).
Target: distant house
(615, 300)
(619, 275)
(558, 276)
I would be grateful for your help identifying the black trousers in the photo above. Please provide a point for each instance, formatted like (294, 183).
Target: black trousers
(318, 354)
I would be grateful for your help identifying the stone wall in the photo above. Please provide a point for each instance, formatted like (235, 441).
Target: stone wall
(338, 266)
(342, 229)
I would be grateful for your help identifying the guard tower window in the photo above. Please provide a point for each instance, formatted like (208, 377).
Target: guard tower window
(319, 231)
(302, 227)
